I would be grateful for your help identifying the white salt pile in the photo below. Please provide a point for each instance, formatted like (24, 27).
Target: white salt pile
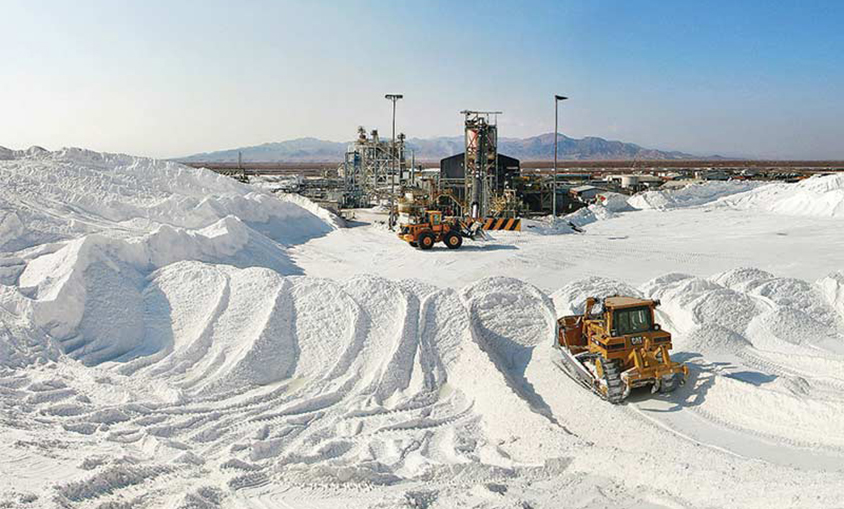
(818, 196)
(692, 195)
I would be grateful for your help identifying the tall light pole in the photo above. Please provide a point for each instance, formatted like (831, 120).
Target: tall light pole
(557, 99)
(393, 98)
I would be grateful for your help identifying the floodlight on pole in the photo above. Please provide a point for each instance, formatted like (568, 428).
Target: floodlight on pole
(393, 98)
(557, 99)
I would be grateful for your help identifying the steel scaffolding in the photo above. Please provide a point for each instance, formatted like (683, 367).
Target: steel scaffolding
(367, 170)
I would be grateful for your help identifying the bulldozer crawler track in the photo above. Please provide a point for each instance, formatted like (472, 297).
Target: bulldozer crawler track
(562, 366)
(615, 385)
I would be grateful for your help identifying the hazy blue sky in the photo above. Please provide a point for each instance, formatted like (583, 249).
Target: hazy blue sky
(161, 78)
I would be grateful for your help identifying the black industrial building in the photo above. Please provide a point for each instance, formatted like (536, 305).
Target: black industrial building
(508, 168)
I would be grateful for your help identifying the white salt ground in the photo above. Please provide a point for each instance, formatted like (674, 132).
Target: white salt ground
(172, 337)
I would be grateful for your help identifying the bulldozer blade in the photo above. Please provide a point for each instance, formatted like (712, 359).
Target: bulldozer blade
(575, 370)
(563, 366)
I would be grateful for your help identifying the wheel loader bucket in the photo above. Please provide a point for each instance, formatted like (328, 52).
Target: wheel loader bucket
(473, 230)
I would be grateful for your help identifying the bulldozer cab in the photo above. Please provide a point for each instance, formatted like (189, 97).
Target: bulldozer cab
(628, 315)
(631, 321)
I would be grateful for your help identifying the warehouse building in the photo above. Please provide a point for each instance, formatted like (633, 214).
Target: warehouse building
(452, 179)
(451, 169)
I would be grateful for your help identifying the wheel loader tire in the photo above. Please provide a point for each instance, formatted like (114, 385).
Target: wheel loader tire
(426, 241)
(453, 240)
(615, 385)
(414, 244)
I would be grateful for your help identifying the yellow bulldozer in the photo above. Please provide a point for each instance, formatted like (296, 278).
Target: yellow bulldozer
(618, 348)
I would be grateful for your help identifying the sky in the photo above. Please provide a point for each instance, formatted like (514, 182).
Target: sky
(171, 78)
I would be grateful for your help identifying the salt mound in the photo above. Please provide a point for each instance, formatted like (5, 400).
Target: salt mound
(818, 196)
(796, 327)
(797, 294)
(589, 215)
(768, 312)
(713, 339)
(7, 154)
(614, 202)
(360, 381)
(571, 298)
(96, 225)
(693, 195)
(21, 346)
(832, 288)
(54, 196)
(69, 291)
(266, 327)
(510, 314)
(352, 368)
(742, 279)
(693, 301)
(297, 328)
(549, 225)
(608, 208)
(725, 307)
(656, 287)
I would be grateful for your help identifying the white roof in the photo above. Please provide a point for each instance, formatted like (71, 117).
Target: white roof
(580, 189)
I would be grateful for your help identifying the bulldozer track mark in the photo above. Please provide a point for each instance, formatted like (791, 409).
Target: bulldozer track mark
(797, 444)
(755, 360)
(422, 425)
(250, 480)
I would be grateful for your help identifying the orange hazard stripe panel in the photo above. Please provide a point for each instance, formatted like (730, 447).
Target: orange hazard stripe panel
(513, 225)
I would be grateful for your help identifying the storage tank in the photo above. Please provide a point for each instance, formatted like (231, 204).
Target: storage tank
(628, 181)
(410, 208)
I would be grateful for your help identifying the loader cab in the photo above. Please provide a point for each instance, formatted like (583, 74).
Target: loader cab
(435, 217)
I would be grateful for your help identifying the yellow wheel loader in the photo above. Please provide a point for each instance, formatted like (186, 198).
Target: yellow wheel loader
(433, 228)
(619, 348)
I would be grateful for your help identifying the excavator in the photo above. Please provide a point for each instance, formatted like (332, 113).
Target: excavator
(618, 348)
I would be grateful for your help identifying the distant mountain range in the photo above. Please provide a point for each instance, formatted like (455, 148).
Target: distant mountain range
(536, 148)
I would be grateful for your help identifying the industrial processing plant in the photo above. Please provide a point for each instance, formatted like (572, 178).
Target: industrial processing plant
(542, 254)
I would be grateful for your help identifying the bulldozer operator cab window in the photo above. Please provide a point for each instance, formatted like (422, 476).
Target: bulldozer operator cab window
(435, 219)
(631, 321)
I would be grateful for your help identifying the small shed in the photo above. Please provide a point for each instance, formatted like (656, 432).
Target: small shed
(584, 193)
